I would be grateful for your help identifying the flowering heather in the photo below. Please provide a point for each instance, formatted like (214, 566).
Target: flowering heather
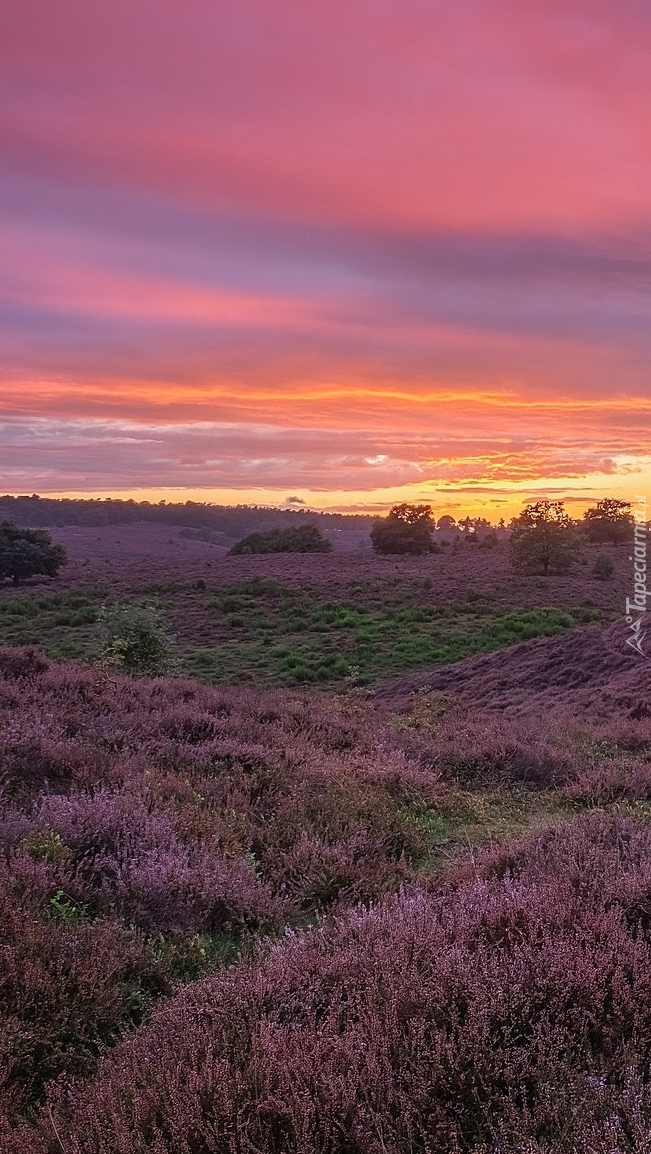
(501, 1005)
(127, 559)
(68, 988)
(145, 820)
(284, 620)
(511, 1011)
(184, 807)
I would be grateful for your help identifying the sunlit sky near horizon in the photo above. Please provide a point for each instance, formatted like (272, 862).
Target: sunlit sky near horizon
(349, 253)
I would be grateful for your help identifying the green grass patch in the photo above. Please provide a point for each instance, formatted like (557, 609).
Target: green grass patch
(61, 624)
(467, 819)
(269, 634)
(261, 632)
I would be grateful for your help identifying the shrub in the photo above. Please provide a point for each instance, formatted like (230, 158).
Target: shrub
(303, 539)
(609, 520)
(134, 640)
(603, 567)
(490, 541)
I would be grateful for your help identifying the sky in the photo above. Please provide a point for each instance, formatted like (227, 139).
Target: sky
(342, 254)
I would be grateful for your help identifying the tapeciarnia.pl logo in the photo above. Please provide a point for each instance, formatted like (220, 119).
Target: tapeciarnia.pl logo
(636, 607)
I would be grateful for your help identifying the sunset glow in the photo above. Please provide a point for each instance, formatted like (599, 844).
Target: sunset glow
(349, 253)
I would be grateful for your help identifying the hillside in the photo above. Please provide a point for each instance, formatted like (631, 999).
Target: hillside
(589, 671)
(374, 858)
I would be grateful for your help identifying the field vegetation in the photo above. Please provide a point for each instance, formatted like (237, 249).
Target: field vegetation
(315, 878)
(263, 631)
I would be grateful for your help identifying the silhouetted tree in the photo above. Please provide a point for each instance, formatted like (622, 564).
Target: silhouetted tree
(609, 520)
(407, 529)
(28, 553)
(543, 537)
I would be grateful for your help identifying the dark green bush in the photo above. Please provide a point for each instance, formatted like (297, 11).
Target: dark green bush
(603, 567)
(28, 553)
(304, 539)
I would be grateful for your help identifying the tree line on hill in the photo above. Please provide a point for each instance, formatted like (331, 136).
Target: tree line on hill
(542, 538)
(232, 520)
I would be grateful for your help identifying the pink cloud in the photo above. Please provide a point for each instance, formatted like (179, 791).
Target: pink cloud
(414, 113)
(371, 216)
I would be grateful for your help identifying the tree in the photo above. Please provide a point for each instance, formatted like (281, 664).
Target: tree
(28, 553)
(407, 529)
(490, 541)
(543, 537)
(473, 526)
(609, 520)
(304, 539)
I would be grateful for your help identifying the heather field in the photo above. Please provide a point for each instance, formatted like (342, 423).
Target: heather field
(287, 620)
(399, 907)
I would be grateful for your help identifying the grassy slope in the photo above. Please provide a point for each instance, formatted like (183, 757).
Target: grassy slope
(270, 634)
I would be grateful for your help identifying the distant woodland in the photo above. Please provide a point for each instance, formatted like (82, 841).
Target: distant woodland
(234, 521)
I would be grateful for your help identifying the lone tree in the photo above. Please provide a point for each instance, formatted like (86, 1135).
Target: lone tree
(28, 553)
(446, 523)
(543, 538)
(302, 539)
(407, 529)
(609, 520)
